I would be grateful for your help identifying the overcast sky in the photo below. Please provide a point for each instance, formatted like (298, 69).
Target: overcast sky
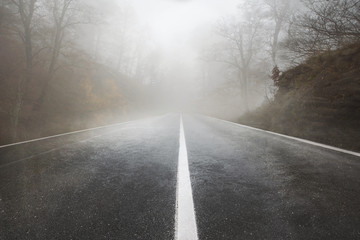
(174, 21)
(177, 27)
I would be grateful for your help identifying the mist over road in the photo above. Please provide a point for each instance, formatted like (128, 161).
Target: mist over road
(120, 182)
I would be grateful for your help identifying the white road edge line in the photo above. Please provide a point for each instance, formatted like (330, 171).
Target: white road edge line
(52, 150)
(60, 135)
(185, 224)
(293, 138)
(69, 133)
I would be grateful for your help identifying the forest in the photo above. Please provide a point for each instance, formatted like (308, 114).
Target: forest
(251, 49)
(73, 64)
(67, 65)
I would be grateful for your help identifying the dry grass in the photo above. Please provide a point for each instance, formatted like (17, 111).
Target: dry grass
(317, 100)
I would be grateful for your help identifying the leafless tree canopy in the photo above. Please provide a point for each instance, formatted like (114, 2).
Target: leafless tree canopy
(325, 25)
(47, 42)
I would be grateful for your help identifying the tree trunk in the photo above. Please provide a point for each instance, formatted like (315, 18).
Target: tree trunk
(53, 62)
(26, 19)
(15, 117)
(244, 89)
(275, 43)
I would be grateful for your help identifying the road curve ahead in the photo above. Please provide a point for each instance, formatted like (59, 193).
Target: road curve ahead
(122, 182)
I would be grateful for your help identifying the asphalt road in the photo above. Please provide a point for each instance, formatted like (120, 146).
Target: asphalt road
(120, 182)
(253, 185)
(117, 183)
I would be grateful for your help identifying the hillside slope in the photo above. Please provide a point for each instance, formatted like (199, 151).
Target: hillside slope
(317, 100)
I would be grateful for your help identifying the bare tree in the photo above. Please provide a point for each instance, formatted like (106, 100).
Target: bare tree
(64, 14)
(123, 39)
(336, 20)
(280, 11)
(238, 49)
(3, 13)
(324, 25)
(26, 11)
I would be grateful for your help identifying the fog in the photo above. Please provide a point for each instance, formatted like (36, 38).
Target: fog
(174, 23)
(179, 119)
(77, 63)
(179, 32)
(70, 64)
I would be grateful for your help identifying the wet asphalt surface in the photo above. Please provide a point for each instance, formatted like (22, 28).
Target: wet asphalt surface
(252, 185)
(120, 183)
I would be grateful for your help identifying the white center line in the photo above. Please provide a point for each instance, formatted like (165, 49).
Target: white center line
(185, 214)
